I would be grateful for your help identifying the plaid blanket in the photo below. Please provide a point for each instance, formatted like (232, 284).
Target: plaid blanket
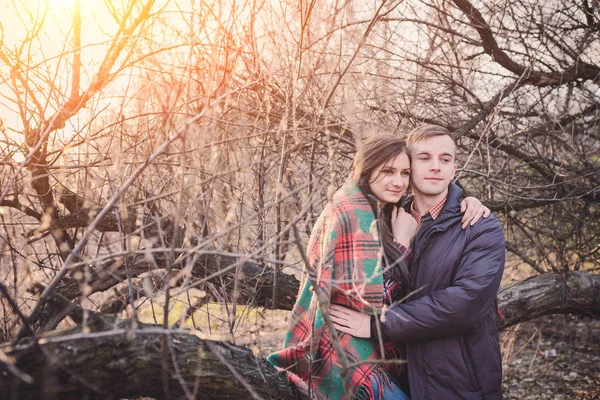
(345, 262)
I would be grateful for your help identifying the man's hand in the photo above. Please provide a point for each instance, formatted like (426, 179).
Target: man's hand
(474, 210)
(350, 321)
(404, 226)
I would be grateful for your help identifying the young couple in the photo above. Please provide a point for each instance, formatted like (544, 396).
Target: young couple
(387, 283)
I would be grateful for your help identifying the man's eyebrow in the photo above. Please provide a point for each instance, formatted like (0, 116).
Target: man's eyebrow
(429, 153)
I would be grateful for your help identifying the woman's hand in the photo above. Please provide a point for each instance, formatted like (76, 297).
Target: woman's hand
(404, 226)
(474, 210)
(350, 321)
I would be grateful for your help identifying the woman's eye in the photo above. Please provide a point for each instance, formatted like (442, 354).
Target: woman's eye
(405, 173)
(387, 171)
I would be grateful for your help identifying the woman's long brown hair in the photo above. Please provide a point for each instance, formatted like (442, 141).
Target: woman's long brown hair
(373, 152)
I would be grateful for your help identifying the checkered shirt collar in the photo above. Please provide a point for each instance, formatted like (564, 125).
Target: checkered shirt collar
(433, 211)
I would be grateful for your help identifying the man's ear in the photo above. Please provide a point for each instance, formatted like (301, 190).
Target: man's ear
(453, 171)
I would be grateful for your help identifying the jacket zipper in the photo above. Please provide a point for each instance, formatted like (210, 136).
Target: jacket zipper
(419, 274)
(422, 241)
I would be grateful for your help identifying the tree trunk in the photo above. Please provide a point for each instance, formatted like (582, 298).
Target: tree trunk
(125, 362)
(574, 293)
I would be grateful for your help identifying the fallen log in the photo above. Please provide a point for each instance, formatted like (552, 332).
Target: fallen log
(575, 292)
(120, 359)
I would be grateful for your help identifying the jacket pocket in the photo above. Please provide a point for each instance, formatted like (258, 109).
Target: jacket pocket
(468, 361)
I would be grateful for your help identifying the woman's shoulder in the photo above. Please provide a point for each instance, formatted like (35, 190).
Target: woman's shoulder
(349, 197)
(351, 209)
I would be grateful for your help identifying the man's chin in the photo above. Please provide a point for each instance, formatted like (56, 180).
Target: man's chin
(432, 192)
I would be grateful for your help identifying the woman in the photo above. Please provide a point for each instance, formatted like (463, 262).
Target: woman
(345, 265)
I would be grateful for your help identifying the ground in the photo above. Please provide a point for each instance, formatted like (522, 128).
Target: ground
(554, 357)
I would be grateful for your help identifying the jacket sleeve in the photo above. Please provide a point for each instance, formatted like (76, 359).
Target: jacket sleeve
(461, 305)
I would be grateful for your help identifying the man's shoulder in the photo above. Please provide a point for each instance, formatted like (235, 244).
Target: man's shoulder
(491, 223)
(487, 231)
(489, 226)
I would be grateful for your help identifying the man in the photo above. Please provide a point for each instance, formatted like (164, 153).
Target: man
(449, 325)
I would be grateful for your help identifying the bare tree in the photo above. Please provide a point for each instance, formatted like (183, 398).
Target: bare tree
(158, 155)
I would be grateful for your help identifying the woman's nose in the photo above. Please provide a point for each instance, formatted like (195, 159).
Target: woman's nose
(398, 181)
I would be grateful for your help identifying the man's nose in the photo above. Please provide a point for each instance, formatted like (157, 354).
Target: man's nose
(435, 164)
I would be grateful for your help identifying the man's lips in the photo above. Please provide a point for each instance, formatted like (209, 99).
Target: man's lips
(433, 179)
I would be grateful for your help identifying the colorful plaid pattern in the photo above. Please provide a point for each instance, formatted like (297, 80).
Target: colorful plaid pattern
(345, 260)
(433, 211)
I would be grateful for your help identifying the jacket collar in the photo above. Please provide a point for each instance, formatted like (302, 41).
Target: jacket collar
(452, 206)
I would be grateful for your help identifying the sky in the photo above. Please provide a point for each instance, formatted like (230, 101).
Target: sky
(52, 50)
(18, 18)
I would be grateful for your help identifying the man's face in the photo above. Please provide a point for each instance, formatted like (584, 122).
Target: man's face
(433, 166)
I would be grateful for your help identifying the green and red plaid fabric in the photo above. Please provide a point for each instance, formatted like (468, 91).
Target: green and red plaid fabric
(345, 259)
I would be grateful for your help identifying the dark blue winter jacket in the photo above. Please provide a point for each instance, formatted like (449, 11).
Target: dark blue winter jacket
(450, 326)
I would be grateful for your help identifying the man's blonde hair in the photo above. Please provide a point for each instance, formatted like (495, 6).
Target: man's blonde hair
(425, 132)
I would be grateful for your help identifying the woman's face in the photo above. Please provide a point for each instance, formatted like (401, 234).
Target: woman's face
(390, 180)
